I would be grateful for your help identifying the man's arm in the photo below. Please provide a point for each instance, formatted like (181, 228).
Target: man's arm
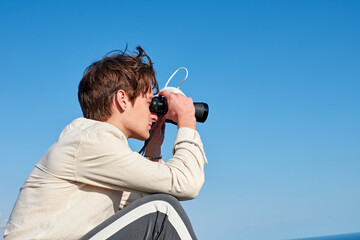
(153, 150)
(105, 160)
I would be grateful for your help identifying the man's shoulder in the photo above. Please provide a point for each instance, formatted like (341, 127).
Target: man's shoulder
(89, 127)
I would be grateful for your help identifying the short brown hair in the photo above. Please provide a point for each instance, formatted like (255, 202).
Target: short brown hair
(117, 70)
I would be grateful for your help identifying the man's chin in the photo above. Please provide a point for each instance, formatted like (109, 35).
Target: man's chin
(143, 138)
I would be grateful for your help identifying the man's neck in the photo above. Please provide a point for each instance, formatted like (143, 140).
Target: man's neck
(116, 121)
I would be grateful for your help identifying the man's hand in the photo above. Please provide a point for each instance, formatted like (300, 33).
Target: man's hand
(180, 109)
(154, 147)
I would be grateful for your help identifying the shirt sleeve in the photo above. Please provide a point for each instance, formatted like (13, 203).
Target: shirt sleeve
(104, 159)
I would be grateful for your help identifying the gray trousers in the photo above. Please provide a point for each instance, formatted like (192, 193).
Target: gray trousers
(157, 216)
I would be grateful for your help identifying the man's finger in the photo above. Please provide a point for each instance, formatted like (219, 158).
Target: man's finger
(164, 93)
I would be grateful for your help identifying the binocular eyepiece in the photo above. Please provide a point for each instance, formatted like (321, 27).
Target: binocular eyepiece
(160, 106)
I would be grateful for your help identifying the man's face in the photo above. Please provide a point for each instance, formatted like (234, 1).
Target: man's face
(140, 118)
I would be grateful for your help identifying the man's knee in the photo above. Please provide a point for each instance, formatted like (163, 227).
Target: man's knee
(162, 197)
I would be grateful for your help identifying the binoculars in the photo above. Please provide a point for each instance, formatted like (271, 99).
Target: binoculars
(160, 106)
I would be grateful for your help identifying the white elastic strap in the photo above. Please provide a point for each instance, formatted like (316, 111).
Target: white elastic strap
(187, 73)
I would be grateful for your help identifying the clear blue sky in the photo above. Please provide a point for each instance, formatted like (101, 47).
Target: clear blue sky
(282, 79)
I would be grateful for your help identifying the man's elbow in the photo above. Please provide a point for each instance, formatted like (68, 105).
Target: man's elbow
(192, 190)
(193, 194)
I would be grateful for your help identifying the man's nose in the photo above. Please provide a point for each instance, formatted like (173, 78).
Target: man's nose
(154, 116)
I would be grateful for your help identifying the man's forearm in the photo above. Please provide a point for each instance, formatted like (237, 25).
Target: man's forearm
(153, 151)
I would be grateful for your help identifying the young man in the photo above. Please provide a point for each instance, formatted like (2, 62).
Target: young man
(91, 185)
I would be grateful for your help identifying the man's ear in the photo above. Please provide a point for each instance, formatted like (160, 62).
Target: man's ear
(121, 100)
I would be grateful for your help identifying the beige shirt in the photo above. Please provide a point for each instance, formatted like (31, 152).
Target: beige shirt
(89, 173)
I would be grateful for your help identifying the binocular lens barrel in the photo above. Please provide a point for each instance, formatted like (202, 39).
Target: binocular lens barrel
(201, 111)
